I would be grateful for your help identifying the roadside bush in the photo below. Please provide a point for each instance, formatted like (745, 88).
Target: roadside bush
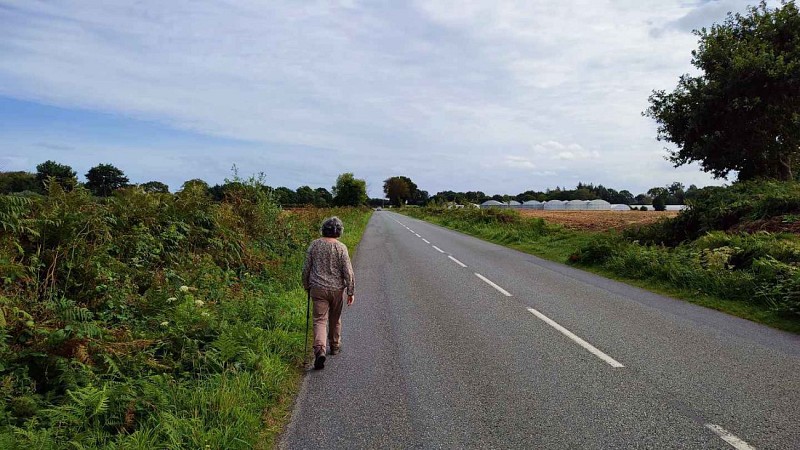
(597, 251)
(746, 206)
(147, 319)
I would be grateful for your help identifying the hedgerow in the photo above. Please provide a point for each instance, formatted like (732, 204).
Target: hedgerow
(150, 320)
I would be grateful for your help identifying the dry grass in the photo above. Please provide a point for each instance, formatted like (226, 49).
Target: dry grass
(599, 220)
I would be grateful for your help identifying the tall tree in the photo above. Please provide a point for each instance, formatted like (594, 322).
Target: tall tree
(323, 198)
(397, 190)
(61, 174)
(103, 179)
(741, 112)
(305, 195)
(284, 196)
(349, 191)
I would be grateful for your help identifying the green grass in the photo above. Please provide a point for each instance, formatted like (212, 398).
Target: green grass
(558, 244)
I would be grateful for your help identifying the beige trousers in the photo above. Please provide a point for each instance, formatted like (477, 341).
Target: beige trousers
(327, 318)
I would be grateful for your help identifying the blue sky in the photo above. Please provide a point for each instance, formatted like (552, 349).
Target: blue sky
(498, 96)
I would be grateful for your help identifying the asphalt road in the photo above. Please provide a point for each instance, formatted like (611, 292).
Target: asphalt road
(434, 356)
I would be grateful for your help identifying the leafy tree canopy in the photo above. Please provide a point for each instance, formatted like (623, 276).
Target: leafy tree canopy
(12, 182)
(104, 179)
(61, 173)
(743, 112)
(155, 186)
(399, 189)
(349, 191)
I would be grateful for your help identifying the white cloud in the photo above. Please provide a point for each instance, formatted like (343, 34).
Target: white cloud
(519, 162)
(429, 89)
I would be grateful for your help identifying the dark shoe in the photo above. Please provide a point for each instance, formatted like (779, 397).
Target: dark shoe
(335, 350)
(319, 361)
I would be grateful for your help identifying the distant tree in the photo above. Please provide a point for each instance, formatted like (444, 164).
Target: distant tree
(349, 191)
(304, 195)
(526, 196)
(659, 203)
(285, 196)
(476, 196)
(420, 197)
(194, 183)
(61, 174)
(104, 179)
(741, 112)
(376, 202)
(691, 192)
(583, 194)
(644, 199)
(623, 197)
(677, 193)
(322, 198)
(12, 182)
(397, 190)
(155, 187)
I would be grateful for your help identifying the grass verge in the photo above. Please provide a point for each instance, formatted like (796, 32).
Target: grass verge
(561, 245)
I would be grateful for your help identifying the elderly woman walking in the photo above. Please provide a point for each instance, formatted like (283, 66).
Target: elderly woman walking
(327, 275)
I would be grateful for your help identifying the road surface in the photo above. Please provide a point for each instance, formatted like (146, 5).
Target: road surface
(458, 343)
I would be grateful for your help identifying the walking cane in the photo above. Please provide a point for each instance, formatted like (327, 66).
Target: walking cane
(308, 315)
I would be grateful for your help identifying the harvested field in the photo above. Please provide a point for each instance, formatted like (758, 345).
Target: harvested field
(599, 220)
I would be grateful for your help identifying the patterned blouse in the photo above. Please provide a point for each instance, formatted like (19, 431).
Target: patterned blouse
(327, 266)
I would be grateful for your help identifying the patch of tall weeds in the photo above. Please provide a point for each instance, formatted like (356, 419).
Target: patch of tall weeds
(149, 320)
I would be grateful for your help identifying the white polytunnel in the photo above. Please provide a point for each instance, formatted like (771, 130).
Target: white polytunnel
(491, 204)
(533, 204)
(599, 205)
(555, 205)
(577, 205)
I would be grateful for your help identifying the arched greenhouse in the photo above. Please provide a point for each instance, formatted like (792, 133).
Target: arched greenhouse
(599, 205)
(491, 204)
(577, 205)
(533, 204)
(555, 205)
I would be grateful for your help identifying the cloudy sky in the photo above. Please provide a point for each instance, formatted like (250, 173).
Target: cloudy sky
(491, 95)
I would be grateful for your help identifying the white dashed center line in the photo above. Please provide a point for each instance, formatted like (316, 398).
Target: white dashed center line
(426, 241)
(492, 284)
(457, 261)
(726, 436)
(437, 249)
(592, 349)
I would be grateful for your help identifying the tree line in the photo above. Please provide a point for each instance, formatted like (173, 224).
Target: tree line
(103, 179)
(400, 190)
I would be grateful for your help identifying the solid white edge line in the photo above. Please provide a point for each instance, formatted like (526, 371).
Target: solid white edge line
(490, 283)
(726, 436)
(457, 261)
(437, 249)
(426, 241)
(592, 349)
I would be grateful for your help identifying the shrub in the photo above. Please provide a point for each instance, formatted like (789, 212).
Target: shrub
(149, 318)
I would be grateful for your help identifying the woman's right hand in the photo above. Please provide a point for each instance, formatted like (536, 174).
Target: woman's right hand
(350, 299)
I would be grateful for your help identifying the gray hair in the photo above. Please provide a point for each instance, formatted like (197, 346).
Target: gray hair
(332, 227)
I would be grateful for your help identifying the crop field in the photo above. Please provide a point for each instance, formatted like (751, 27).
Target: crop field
(599, 220)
